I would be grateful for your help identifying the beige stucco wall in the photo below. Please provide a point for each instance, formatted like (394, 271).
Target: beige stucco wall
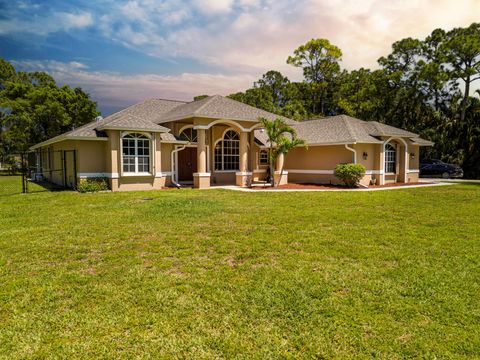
(371, 152)
(317, 157)
(90, 158)
(414, 163)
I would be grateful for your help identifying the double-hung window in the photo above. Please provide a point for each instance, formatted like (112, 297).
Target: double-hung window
(136, 153)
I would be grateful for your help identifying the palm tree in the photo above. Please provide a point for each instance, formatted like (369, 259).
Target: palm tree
(281, 139)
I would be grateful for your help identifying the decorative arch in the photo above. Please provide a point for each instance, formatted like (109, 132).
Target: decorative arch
(188, 133)
(388, 142)
(232, 123)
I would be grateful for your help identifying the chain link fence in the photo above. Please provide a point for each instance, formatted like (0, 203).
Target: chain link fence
(29, 172)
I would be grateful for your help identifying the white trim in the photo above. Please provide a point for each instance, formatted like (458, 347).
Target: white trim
(185, 127)
(204, 174)
(230, 122)
(151, 156)
(397, 159)
(284, 172)
(318, 172)
(63, 138)
(222, 138)
(139, 174)
(245, 173)
(163, 174)
(413, 171)
(174, 162)
(329, 172)
(98, 175)
(132, 129)
(329, 144)
(374, 172)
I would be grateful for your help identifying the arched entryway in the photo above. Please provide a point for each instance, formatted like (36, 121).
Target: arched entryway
(187, 158)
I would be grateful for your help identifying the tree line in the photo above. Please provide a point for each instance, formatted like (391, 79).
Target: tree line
(424, 86)
(33, 108)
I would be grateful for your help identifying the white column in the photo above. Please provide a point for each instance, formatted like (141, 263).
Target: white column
(243, 152)
(201, 151)
(243, 176)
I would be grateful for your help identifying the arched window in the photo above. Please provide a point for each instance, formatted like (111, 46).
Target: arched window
(390, 158)
(136, 153)
(188, 134)
(227, 152)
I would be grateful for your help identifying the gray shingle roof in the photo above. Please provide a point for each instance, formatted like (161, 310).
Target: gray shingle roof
(148, 114)
(421, 142)
(144, 115)
(378, 129)
(335, 129)
(131, 122)
(141, 116)
(344, 129)
(219, 107)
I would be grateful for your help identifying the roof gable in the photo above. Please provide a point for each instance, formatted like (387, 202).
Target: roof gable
(219, 107)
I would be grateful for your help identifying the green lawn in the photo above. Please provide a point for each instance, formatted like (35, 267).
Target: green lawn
(223, 274)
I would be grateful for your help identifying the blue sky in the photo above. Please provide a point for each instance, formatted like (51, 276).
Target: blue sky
(124, 51)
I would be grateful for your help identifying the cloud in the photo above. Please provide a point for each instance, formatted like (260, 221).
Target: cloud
(211, 7)
(114, 90)
(253, 35)
(44, 25)
(257, 35)
(238, 40)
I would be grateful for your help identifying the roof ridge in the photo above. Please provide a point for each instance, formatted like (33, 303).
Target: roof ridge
(108, 121)
(180, 101)
(210, 98)
(349, 127)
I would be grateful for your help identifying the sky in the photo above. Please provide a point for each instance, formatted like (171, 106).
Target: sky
(124, 51)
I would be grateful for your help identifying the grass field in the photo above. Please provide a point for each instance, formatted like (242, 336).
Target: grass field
(223, 274)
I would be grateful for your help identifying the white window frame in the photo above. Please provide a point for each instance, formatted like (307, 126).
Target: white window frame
(263, 151)
(189, 127)
(151, 148)
(221, 141)
(390, 149)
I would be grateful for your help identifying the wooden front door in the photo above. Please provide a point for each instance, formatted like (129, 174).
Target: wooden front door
(187, 164)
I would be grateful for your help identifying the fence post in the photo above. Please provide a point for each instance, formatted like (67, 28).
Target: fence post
(24, 175)
(64, 165)
(75, 169)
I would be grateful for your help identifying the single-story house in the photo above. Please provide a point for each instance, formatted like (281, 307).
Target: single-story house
(217, 140)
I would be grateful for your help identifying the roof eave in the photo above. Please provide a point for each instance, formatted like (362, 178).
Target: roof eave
(177, 118)
(63, 138)
(132, 128)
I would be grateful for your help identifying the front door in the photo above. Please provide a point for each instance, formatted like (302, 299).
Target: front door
(187, 164)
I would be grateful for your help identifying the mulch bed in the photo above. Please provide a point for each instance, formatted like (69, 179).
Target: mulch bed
(330, 186)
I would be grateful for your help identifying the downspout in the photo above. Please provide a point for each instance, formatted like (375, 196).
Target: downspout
(354, 159)
(354, 152)
(172, 162)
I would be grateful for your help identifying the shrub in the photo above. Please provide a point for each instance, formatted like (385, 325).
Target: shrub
(350, 174)
(92, 185)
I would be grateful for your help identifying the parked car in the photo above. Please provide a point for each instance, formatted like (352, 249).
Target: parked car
(437, 168)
